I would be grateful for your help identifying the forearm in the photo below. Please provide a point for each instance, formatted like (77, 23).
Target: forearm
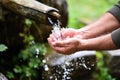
(99, 43)
(106, 24)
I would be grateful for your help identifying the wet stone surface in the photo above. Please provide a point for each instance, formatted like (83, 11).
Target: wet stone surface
(78, 66)
(112, 59)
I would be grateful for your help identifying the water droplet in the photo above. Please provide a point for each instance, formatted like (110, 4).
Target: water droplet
(37, 51)
(46, 67)
(67, 63)
(36, 56)
(35, 66)
(51, 77)
(68, 78)
(44, 61)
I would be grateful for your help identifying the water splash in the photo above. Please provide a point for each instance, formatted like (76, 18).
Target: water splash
(64, 70)
(56, 28)
(69, 69)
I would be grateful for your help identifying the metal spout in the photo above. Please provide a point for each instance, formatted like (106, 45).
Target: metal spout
(32, 9)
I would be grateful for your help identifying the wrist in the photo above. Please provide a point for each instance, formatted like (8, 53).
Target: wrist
(84, 33)
(83, 44)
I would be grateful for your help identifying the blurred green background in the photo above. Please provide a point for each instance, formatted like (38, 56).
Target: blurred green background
(85, 11)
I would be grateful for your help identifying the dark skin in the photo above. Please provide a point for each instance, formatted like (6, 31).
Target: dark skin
(95, 36)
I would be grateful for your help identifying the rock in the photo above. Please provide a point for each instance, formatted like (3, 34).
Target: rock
(69, 67)
(112, 59)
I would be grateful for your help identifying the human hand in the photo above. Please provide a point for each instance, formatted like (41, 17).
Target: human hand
(70, 40)
(66, 46)
(68, 32)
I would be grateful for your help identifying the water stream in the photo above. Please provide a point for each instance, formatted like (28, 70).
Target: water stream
(65, 67)
(56, 28)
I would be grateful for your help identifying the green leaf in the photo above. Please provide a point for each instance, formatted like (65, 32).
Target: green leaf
(17, 69)
(28, 22)
(10, 75)
(3, 47)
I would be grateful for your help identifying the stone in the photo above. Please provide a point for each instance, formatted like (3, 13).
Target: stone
(112, 59)
(69, 67)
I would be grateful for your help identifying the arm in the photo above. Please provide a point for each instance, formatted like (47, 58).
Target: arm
(106, 24)
(71, 45)
(109, 41)
(99, 43)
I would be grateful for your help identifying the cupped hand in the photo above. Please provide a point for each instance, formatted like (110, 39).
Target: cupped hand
(67, 46)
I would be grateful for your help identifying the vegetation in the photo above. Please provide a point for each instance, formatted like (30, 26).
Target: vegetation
(2, 47)
(29, 57)
(102, 72)
(28, 62)
(83, 12)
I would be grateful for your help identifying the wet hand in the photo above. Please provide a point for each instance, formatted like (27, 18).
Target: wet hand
(68, 32)
(67, 46)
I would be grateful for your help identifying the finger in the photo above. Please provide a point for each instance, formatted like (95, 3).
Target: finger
(62, 43)
(50, 41)
(52, 37)
(63, 50)
(60, 49)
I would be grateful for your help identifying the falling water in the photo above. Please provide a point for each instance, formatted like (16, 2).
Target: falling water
(67, 64)
(56, 28)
